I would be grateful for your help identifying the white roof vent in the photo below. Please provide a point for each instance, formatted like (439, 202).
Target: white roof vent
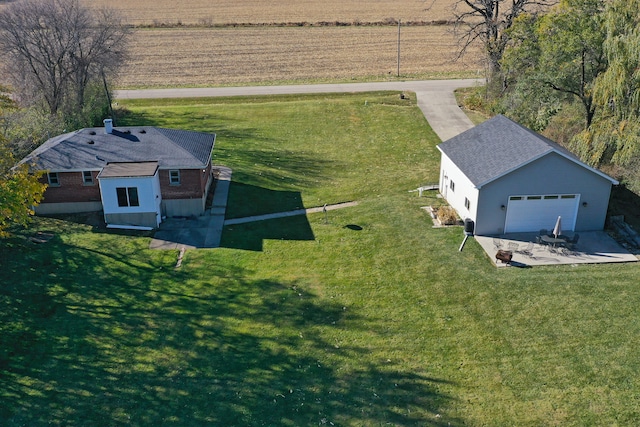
(108, 126)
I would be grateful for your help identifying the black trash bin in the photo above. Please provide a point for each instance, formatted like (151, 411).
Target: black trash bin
(468, 226)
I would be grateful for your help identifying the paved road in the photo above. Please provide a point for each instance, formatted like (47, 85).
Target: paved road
(435, 97)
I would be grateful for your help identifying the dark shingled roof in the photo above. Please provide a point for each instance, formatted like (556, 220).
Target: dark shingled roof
(498, 146)
(92, 149)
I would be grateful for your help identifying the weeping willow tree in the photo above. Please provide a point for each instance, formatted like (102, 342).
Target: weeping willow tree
(614, 136)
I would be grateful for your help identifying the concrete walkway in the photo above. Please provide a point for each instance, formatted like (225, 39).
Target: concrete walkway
(201, 232)
(206, 231)
(289, 213)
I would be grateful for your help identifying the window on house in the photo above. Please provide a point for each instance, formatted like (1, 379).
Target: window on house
(174, 177)
(87, 177)
(127, 196)
(467, 203)
(54, 181)
(452, 185)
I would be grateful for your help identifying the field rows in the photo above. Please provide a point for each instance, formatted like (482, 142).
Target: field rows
(218, 56)
(189, 12)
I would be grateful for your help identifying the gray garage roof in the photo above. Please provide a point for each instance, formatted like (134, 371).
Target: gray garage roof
(499, 146)
(92, 149)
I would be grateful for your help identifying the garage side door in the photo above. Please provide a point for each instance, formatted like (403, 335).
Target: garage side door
(532, 213)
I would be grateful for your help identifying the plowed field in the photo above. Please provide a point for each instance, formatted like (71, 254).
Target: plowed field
(214, 56)
(189, 12)
(195, 42)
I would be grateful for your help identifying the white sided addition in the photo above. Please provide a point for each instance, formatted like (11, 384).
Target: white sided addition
(131, 195)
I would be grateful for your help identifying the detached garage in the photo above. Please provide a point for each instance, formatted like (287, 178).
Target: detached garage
(509, 179)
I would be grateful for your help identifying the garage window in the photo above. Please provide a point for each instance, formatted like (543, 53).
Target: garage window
(452, 186)
(467, 203)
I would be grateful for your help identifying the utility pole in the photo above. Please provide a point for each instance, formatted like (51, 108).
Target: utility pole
(398, 47)
(106, 91)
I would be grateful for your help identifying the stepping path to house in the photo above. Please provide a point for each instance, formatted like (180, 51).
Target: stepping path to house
(289, 213)
(206, 231)
(218, 208)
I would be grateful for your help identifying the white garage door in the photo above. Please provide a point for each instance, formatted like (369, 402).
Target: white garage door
(532, 213)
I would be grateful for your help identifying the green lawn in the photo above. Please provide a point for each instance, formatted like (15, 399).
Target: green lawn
(368, 317)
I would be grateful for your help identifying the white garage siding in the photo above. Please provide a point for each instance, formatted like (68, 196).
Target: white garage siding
(535, 212)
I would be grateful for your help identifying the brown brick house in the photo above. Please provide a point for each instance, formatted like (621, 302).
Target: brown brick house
(131, 159)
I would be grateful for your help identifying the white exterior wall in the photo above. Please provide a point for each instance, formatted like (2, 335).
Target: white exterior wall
(463, 189)
(149, 197)
(551, 174)
(157, 197)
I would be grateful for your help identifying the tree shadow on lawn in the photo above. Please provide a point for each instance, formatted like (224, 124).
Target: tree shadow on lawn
(263, 170)
(251, 236)
(203, 122)
(248, 200)
(89, 338)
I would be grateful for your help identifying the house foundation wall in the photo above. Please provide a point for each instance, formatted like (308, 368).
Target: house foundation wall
(183, 207)
(144, 219)
(67, 208)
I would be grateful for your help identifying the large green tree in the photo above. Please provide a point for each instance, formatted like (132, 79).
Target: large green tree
(488, 22)
(20, 189)
(555, 58)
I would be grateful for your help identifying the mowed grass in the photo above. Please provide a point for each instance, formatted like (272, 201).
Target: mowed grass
(365, 317)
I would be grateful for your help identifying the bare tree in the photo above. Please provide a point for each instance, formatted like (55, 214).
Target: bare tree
(54, 49)
(487, 22)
